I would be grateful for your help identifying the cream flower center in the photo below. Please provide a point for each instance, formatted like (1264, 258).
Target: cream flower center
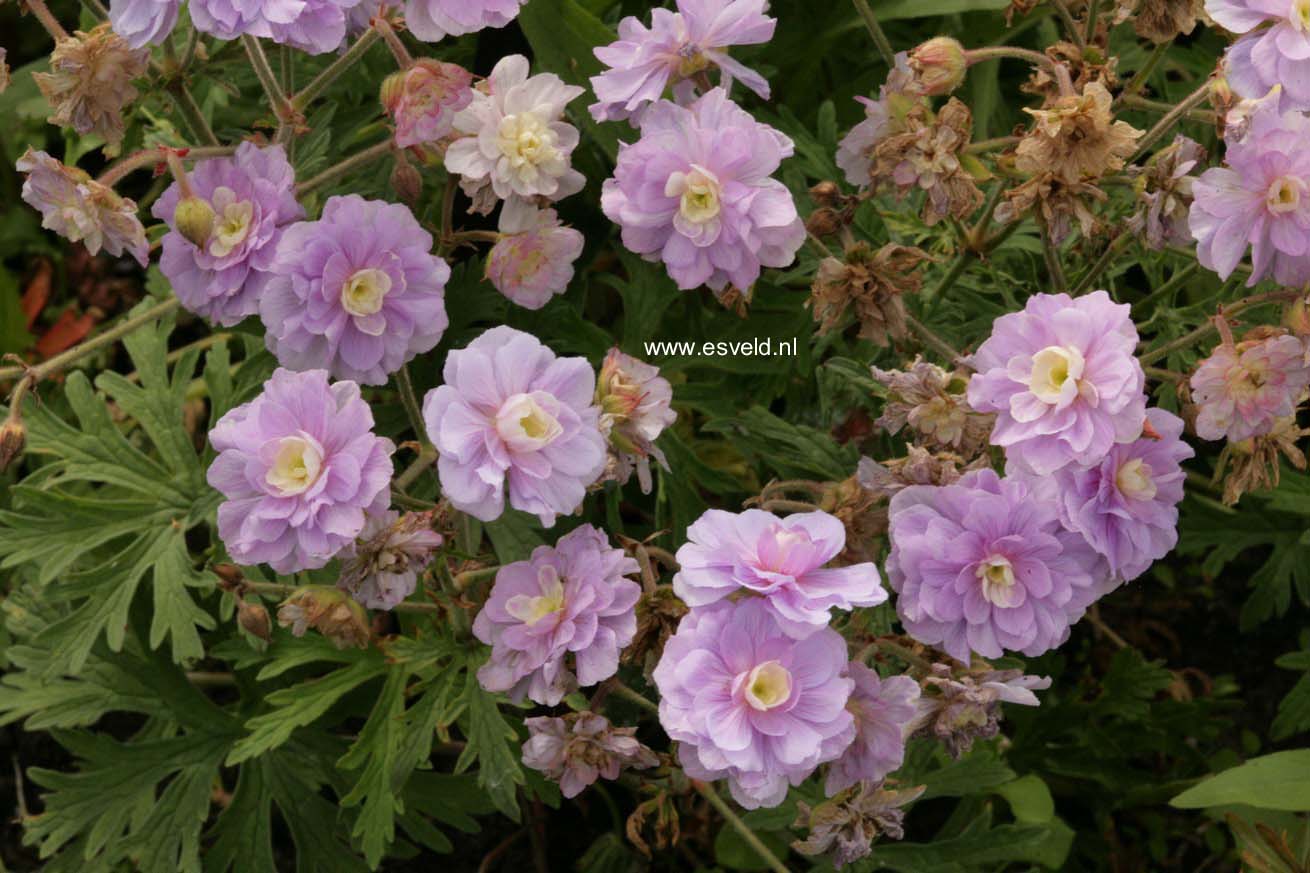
(1284, 195)
(296, 466)
(1299, 15)
(691, 60)
(1135, 481)
(529, 609)
(767, 686)
(699, 194)
(997, 577)
(233, 221)
(1053, 367)
(526, 140)
(363, 292)
(524, 425)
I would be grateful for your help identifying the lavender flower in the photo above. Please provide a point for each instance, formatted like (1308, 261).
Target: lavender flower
(511, 411)
(514, 137)
(569, 600)
(533, 260)
(675, 48)
(982, 566)
(357, 292)
(580, 748)
(300, 467)
(635, 402)
(1063, 380)
(1126, 507)
(423, 100)
(80, 209)
(780, 559)
(695, 192)
(1261, 199)
(313, 26)
(251, 197)
(1243, 388)
(747, 702)
(883, 711)
(142, 22)
(381, 567)
(1265, 56)
(434, 20)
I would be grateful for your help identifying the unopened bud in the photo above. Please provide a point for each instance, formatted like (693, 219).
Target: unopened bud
(826, 193)
(229, 575)
(393, 87)
(1297, 316)
(13, 436)
(406, 181)
(194, 219)
(824, 222)
(939, 65)
(254, 620)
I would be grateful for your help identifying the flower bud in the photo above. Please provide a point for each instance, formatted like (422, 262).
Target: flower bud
(1297, 316)
(824, 222)
(254, 620)
(393, 88)
(826, 193)
(406, 181)
(939, 65)
(194, 219)
(229, 576)
(13, 436)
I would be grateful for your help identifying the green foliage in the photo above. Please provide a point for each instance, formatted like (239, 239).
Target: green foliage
(1277, 781)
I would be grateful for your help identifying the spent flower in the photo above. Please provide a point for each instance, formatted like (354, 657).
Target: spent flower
(80, 209)
(327, 610)
(844, 828)
(931, 402)
(870, 284)
(533, 261)
(582, 747)
(381, 567)
(960, 709)
(1243, 388)
(423, 99)
(636, 407)
(90, 81)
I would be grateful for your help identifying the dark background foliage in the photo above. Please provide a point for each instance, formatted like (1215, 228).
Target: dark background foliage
(1196, 666)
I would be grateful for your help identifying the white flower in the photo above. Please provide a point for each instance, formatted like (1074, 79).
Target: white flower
(513, 138)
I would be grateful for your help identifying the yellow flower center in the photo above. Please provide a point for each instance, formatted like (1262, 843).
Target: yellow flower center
(1053, 367)
(767, 686)
(524, 425)
(296, 466)
(363, 292)
(233, 224)
(526, 141)
(1135, 481)
(1299, 15)
(698, 193)
(997, 578)
(1284, 195)
(531, 610)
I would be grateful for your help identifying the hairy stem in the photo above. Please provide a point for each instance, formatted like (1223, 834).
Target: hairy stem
(99, 341)
(880, 40)
(153, 157)
(333, 71)
(1070, 23)
(404, 59)
(409, 400)
(277, 100)
(1210, 327)
(191, 113)
(1171, 118)
(1095, 270)
(42, 13)
(1139, 78)
(350, 164)
(277, 589)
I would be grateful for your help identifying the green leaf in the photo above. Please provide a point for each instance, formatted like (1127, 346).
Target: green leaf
(514, 535)
(1046, 844)
(1277, 781)
(301, 705)
(1029, 799)
(733, 852)
(374, 753)
(494, 745)
(793, 451)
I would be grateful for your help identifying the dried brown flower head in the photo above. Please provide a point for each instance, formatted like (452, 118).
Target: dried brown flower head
(927, 155)
(1077, 138)
(872, 283)
(1160, 20)
(1253, 465)
(658, 614)
(931, 402)
(90, 81)
(1164, 194)
(4, 71)
(864, 515)
(1057, 203)
(845, 827)
(918, 467)
(1085, 66)
(329, 611)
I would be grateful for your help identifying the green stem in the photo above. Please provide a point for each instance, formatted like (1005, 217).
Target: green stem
(401, 499)
(1209, 327)
(621, 690)
(1139, 78)
(766, 854)
(404, 59)
(1204, 116)
(991, 145)
(880, 40)
(1054, 271)
(42, 13)
(282, 110)
(99, 341)
(350, 164)
(993, 52)
(425, 459)
(332, 71)
(191, 113)
(277, 589)
(409, 400)
(957, 268)
(152, 157)
(913, 659)
(1070, 23)
(933, 341)
(1171, 118)
(1093, 9)
(1174, 282)
(1095, 270)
